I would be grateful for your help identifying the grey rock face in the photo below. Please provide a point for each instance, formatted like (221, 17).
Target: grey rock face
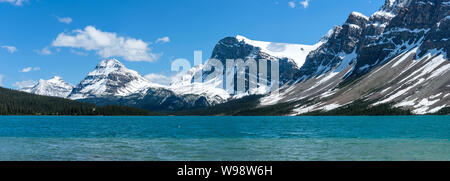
(343, 40)
(399, 55)
(396, 27)
(232, 48)
(439, 34)
(412, 23)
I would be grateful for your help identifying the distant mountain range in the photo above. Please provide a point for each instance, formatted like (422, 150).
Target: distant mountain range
(112, 83)
(397, 57)
(55, 87)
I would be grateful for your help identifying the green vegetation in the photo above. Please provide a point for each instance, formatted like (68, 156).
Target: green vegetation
(444, 111)
(231, 108)
(246, 106)
(361, 108)
(249, 106)
(19, 103)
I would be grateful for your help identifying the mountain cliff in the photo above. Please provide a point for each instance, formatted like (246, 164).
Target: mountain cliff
(290, 58)
(397, 56)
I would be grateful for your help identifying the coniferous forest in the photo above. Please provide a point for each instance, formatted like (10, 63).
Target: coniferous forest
(20, 103)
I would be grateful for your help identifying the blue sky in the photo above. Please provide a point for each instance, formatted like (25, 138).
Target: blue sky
(43, 38)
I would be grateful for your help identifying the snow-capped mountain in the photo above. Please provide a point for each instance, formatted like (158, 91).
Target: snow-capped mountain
(111, 79)
(112, 83)
(55, 87)
(397, 56)
(290, 58)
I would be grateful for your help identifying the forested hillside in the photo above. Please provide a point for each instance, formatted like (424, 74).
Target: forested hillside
(19, 103)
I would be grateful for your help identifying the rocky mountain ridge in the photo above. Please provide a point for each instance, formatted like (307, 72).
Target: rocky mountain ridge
(398, 56)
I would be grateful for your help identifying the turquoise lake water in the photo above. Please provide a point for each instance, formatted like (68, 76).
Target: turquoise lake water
(25, 138)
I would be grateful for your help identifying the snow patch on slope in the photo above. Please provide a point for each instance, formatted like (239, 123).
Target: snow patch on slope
(183, 84)
(294, 52)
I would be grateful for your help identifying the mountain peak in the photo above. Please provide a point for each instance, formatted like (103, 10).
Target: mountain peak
(241, 38)
(111, 78)
(56, 79)
(394, 5)
(110, 63)
(55, 87)
(358, 14)
(108, 66)
(356, 18)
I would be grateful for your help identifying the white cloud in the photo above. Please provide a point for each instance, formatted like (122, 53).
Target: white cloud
(165, 39)
(66, 20)
(44, 51)
(14, 2)
(106, 44)
(79, 52)
(292, 4)
(29, 69)
(1, 80)
(305, 3)
(10, 49)
(158, 79)
(25, 84)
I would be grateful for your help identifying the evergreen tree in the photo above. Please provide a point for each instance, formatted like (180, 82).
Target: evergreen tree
(20, 103)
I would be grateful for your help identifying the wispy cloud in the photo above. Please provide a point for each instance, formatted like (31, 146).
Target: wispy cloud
(106, 44)
(305, 3)
(10, 49)
(79, 52)
(14, 2)
(66, 20)
(292, 4)
(158, 79)
(44, 51)
(29, 69)
(165, 39)
(25, 84)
